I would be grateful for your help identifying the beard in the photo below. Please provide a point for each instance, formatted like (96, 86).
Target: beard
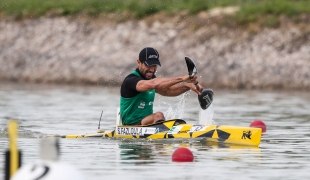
(148, 74)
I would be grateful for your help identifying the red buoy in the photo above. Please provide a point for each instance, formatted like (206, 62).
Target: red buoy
(182, 155)
(258, 124)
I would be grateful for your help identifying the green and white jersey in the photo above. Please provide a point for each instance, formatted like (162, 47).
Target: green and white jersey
(135, 105)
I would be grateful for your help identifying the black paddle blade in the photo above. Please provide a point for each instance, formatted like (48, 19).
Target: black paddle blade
(191, 67)
(205, 98)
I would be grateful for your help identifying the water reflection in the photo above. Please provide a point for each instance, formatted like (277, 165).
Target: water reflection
(149, 152)
(136, 152)
(220, 145)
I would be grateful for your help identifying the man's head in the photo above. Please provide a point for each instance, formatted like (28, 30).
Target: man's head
(148, 61)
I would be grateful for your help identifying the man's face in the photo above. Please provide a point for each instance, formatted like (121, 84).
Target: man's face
(147, 71)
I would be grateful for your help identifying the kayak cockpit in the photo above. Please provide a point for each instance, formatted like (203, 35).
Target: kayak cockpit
(170, 123)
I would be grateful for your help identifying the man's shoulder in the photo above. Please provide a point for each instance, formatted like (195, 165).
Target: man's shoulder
(131, 80)
(132, 77)
(128, 88)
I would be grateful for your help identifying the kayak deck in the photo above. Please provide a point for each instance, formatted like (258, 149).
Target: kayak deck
(178, 129)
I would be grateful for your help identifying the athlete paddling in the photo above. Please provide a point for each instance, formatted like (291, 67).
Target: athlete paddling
(138, 90)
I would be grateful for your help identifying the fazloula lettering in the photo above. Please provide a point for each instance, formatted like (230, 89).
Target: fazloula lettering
(130, 131)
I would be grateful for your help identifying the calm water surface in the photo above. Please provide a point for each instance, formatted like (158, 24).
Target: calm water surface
(40, 109)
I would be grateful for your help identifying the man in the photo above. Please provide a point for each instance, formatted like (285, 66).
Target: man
(138, 90)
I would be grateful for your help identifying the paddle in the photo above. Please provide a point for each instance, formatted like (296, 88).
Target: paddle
(205, 97)
(192, 70)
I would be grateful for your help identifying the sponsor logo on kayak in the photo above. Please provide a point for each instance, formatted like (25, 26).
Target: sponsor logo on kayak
(135, 131)
(174, 130)
(197, 128)
(150, 131)
(246, 135)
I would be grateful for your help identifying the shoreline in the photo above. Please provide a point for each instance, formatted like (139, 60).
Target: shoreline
(77, 50)
(44, 86)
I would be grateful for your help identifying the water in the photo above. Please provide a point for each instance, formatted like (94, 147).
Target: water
(41, 109)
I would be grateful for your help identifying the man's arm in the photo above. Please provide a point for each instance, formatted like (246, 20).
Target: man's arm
(168, 86)
(180, 88)
(174, 90)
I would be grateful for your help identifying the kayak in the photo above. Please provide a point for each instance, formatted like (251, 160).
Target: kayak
(178, 129)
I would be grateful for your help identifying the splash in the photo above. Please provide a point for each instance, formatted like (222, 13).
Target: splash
(206, 116)
(176, 110)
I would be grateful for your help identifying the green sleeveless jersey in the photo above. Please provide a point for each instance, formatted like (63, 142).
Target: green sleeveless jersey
(134, 109)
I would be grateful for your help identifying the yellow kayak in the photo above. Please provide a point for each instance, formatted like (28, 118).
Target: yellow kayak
(178, 129)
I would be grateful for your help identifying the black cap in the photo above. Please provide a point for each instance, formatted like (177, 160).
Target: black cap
(149, 56)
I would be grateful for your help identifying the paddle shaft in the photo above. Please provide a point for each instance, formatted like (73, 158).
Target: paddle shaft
(197, 86)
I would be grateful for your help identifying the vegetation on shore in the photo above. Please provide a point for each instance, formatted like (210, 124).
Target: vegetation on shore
(250, 10)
